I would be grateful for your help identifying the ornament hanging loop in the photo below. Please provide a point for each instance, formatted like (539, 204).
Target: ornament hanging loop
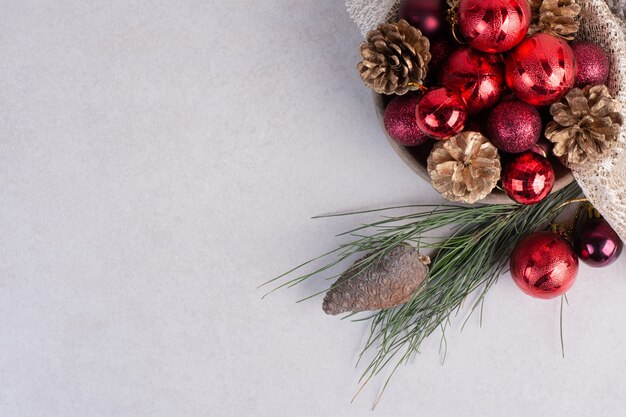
(453, 20)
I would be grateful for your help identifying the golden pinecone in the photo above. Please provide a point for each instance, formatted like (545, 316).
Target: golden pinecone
(395, 58)
(465, 167)
(586, 124)
(555, 17)
(384, 283)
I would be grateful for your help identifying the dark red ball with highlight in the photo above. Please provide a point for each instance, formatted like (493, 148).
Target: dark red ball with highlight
(597, 244)
(528, 178)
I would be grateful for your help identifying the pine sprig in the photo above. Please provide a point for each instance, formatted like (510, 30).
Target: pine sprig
(469, 260)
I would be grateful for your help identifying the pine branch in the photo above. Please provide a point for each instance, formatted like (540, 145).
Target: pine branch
(470, 260)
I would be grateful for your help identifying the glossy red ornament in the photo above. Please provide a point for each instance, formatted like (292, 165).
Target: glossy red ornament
(541, 70)
(477, 76)
(544, 265)
(441, 113)
(597, 244)
(400, 121)
(514, 126)
(593, 64)
(494, 26)
(429, 16)
(528, 178)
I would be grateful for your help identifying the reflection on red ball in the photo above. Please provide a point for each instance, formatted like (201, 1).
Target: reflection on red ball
(478, 77)
(541, 70)
(528, 178)
(441, 113)
(400, 121)
(494, 26)
(544, 265)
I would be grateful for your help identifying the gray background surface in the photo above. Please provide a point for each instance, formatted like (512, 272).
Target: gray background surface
(161, 159)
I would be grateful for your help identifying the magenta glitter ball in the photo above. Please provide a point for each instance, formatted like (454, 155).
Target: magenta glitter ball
(528, 178)
(429, 16)
(514, 126)
(541, 70)
(477, 76)
(597, 244)
(494, 26)
(400, 121)
(593, 64)
(441, 113)
(544, 265)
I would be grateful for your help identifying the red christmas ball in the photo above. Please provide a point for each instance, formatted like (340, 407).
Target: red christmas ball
(544, 265)
(528, 178)
(494, 26)
(441, 113)
(478, 77)
(429, 16)
(400, 121)
(597, 244)
(593, 64)
(514, 126)
(541, 70)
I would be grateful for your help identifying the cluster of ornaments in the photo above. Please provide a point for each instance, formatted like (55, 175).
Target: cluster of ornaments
(545, 264)
(495, 89)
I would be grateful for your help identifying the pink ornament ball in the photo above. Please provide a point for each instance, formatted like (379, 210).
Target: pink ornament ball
(441, 113)
(514, 126)
(494, 26)
(593, 64)
(400, 121)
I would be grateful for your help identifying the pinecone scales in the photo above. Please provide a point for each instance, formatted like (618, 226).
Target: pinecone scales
(555, 17)
(586, 124)
(464, 168)
(387, 282)
(395, 58)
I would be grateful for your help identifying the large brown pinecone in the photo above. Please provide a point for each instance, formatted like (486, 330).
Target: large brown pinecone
(395, 58)
(384, 283)
(586, 124)
(465, 167)
(555, 17)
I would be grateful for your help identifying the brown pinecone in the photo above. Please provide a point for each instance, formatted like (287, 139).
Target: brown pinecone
(385, 283)
(465, 167)
(395, 58)
(586, 124)
(555, 17)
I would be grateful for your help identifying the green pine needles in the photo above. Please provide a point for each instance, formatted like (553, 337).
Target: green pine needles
(470, 260)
